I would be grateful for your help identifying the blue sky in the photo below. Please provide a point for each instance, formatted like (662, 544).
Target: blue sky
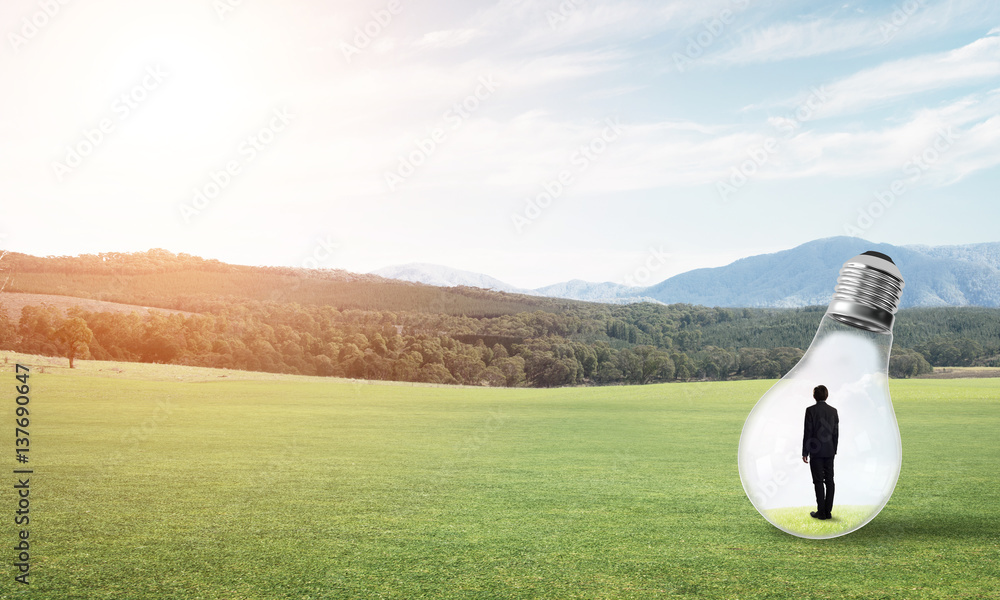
(532, 141)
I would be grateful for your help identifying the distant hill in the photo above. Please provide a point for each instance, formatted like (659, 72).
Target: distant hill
(447, 277)
(987, 254)
(607, 292)
(160, 279)
(576, 289)
(967, 275)
(806, 275)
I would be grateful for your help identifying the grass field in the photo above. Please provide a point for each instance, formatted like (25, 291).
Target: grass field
(171, 482)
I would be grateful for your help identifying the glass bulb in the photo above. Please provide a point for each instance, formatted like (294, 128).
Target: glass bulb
(850, 356)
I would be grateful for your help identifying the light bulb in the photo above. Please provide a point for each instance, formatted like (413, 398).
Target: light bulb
(850, 357)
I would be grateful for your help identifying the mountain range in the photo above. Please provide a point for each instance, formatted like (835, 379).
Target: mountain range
(963, 275)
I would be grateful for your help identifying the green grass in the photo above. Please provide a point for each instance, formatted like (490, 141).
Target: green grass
(798, 519)
(248, 487)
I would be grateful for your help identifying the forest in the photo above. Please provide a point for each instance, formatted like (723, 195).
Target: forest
(338, 324)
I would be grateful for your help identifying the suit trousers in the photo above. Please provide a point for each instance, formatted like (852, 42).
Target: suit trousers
(822, 474)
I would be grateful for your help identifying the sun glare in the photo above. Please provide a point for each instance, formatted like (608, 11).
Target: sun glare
(179, 82)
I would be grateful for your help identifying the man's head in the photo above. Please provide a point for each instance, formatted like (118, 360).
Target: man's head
(820, 393)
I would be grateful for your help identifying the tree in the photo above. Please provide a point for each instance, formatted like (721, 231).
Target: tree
(465, 368)
(545, 370)
(683, 366)
(970, 351)
(905, 362)
(512, 369)
(645, 363)
(494, 377)
(37, 328)
(630, 365)
(436, 373)
(159, 349)
(352, 360)
(74, 335)
(607, 372)
(786, 358)
(941, 352)
(6, 279)
(407, 366)
(587, 357)
(716, 363)
(754, 363)
(8, 332)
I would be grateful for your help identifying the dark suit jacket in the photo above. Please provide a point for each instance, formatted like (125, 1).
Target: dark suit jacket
(819, 436)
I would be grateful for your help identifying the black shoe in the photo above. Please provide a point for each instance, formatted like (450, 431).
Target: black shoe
(827, 516)
(816, 515)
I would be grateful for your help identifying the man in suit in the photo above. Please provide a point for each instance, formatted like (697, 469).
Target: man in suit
(819, 446)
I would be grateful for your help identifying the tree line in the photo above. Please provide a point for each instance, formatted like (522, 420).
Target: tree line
(535, 349)
(320, 340)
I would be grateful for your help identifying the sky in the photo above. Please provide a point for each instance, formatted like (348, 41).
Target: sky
(536, 142)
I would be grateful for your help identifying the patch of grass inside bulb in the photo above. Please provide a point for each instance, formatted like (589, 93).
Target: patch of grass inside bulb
(797, 519)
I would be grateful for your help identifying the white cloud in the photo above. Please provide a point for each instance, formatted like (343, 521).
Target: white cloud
(978, 149)
(974, 63)
(799, 40)
(682, 153)
(858, 152)
(526, 26)
(819, 36)
(449, 38)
